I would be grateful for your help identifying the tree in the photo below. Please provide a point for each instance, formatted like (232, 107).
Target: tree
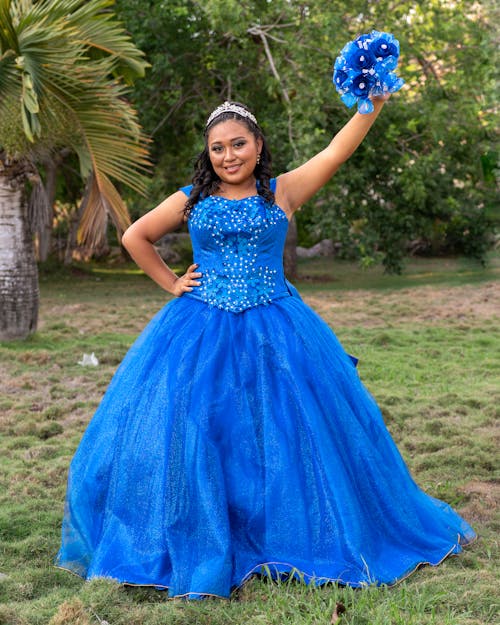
(65, 68)
(420, 178)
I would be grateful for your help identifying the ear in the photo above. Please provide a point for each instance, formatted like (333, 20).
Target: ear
(259, 143)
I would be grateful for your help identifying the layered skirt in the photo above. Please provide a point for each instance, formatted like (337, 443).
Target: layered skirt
(228, 441)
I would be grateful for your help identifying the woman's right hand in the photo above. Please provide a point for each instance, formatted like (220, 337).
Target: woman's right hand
(185, 283)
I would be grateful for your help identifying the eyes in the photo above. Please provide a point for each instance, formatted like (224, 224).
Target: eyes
(236, 145)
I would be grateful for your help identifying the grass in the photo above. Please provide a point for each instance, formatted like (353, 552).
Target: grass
(428, 343)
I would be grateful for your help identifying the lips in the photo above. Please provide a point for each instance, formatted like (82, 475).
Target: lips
(232, 169)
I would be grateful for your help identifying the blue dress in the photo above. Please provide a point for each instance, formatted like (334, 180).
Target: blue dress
(237, 433)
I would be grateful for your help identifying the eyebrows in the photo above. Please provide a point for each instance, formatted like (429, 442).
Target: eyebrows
(231, 140)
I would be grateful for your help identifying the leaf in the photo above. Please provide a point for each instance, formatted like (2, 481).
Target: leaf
(69, 57)
(8, 36)
(30, 99)
(101, 199)
(9, 82)
(26, 124)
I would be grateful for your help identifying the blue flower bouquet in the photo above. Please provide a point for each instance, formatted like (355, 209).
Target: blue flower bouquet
(365, 67)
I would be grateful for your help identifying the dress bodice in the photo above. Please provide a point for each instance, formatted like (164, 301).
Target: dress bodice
(238, 246)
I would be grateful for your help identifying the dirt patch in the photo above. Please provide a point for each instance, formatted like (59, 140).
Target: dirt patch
(483, 501)
(467, 305)
(90, 318)
(427, 304)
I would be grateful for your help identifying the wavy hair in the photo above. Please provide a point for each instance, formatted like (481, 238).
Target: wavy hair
(205, 180)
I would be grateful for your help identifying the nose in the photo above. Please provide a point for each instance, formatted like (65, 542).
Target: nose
(229, 154)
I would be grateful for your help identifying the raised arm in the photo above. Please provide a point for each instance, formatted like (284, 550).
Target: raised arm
(140, 236)
(295, 187)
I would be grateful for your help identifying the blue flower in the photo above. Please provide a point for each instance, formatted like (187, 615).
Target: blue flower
(362, 84)
(384, 45)
(339, 77)
(381, 49)
(365, 67)
(359, 58)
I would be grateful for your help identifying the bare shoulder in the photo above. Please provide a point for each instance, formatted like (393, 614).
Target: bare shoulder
(164, 218)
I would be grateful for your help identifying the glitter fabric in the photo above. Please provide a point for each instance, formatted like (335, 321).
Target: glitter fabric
(237, 433)
(238, 246)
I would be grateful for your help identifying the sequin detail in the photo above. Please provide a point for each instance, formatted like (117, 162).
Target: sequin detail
(240, 246)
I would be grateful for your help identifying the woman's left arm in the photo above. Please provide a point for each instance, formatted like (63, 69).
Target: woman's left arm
(295, 187)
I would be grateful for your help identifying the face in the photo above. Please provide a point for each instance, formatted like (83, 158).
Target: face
(233, 151)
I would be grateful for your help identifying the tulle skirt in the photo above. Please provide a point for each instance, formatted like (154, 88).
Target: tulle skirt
(226, 442)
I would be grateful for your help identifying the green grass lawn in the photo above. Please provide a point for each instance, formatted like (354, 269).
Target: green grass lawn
(429, 346)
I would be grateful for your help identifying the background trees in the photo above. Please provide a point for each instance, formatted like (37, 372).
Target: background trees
(422, 181)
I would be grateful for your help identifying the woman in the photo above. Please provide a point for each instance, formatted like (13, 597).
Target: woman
(236, 433)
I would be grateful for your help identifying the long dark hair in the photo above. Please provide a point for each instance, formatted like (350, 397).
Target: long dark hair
(205, 180)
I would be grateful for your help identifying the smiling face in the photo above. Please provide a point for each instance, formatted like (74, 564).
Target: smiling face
(233, 151)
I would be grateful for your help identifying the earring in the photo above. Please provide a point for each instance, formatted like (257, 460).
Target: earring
(258, 159)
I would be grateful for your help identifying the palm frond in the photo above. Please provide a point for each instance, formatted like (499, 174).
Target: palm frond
(74, 56)
(103, 198)
(107, 35)
(8, 75)
(109, 132)
(8, 35)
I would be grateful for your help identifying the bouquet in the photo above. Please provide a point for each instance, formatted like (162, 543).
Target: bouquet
(365, 67)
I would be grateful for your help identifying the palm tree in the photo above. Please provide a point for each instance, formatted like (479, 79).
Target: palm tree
(65, 67)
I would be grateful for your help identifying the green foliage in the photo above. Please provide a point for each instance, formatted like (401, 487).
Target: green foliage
(423, 180)
(65, 67)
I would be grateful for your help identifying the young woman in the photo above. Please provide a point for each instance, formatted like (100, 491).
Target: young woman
(236, 433)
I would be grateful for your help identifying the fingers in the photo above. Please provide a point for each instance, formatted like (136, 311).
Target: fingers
(188, 285)
(189, 280)
(191, 275)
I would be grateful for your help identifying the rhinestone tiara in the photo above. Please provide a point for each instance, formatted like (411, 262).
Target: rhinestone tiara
(227, 107)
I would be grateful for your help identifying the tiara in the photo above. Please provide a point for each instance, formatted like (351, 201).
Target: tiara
(227, 107)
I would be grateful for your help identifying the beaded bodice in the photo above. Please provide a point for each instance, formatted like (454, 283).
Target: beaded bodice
(238, 245)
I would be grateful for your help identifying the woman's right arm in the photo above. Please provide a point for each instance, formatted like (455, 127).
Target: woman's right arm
(138, 240)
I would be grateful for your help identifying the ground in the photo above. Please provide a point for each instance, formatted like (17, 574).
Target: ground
(429, 347)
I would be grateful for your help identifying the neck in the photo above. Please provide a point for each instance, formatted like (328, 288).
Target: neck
(239, 190)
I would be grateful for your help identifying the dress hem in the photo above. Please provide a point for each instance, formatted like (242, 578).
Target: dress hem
(311, 578)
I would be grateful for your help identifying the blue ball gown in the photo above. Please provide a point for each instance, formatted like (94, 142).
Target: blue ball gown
(237, 433)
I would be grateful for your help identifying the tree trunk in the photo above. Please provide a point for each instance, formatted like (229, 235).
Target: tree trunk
(290, 253)
(71, 241)
(45, 233)
(18, 270)
(74, 222)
